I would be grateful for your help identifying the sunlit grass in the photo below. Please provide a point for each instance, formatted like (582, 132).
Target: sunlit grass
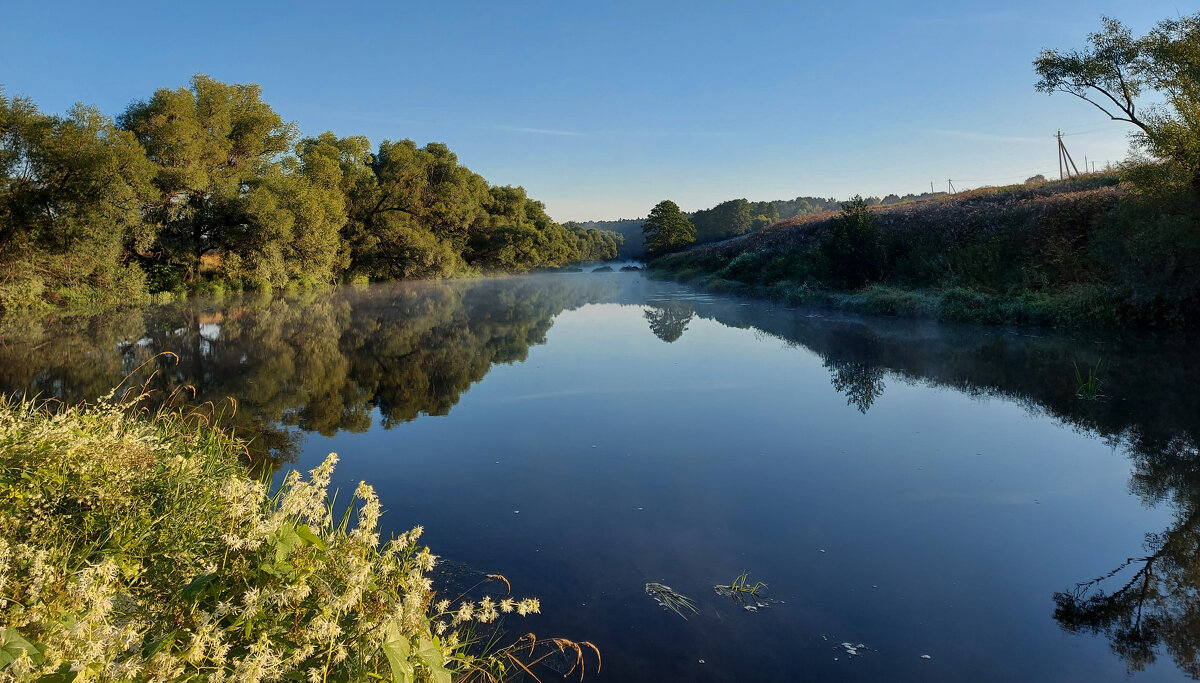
(138, 547)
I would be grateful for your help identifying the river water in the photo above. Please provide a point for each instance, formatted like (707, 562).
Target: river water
(947, 501)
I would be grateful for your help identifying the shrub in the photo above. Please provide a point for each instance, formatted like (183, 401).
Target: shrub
(22, 293)
(850, 254)
(140, 549)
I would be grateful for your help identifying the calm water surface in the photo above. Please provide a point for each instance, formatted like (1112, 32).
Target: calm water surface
(914, 488)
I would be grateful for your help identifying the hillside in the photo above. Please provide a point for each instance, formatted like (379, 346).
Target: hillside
(1090, 252)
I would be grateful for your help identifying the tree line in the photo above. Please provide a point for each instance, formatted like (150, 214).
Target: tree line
(207, 187)
(734, 217)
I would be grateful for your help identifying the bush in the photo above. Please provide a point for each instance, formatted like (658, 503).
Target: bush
(965, 305)
(22, 293)
(140, 549)
(850, 254)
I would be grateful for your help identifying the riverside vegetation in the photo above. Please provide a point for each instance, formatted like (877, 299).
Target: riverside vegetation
(139, 548)
(207, 189)
(1093, 251)
(1114, 249)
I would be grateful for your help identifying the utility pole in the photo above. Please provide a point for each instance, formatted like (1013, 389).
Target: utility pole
(1065, 162)
(950, 186)
(930, 187)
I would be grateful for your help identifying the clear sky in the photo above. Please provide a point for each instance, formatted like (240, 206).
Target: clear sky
(603, 108)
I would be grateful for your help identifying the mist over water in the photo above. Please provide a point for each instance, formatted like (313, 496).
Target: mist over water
(914, 488)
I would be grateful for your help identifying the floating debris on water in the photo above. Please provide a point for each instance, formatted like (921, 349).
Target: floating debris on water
(671, 599)
(926, 657)
(854, 650)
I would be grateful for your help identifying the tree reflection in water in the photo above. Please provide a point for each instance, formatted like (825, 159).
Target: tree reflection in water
(669, 319)
(861, 383)
(1151, 601)
(322, 362)
(332, 361)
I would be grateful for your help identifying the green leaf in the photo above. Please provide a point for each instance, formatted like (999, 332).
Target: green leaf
(397, 650)
(196, 587)
(13, 645)
(306, 533)
(433, 659)
(285, 539)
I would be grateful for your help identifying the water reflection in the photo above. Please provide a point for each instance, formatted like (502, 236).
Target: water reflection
(339, 361)
(317, 362)
(669, 319)
(1151, 601)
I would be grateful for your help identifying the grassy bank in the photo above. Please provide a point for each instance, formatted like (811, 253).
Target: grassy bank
(1097, 251)
(138, 547)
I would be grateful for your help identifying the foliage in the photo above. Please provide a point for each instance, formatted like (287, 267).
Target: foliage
(1087, 252)
(1088, 388)
(726, 219)
(850, 253)
(667, 229)
(1116, 68)
(71, 194)
(137, 549)
(202, 189)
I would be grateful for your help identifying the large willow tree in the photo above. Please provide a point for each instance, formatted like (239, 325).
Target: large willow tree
(1115, 70)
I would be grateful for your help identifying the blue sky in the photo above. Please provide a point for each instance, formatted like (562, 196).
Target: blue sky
(601, 109)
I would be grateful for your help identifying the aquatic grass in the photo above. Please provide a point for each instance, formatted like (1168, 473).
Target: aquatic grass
(739, 585)
(136, 545)
(671, 599)
(743, 594)
(1088, 388)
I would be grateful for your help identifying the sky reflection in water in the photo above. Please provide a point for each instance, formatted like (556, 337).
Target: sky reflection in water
(915, 488)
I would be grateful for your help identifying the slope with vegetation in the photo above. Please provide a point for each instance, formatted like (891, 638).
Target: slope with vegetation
(730, 219)
(1099, 250)
(207, 187)
(1093, 251)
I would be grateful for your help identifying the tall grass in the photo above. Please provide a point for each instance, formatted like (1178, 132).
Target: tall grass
(138, 547)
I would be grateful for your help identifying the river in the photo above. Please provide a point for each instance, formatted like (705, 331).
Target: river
(923, 502)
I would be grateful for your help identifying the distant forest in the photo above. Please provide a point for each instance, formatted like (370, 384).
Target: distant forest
(734, 217)
(207, 188)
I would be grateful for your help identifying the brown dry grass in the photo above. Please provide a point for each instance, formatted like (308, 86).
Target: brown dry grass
(976, 209)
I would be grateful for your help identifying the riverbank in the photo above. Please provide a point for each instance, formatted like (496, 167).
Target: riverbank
(1095, 252)
(136, 547)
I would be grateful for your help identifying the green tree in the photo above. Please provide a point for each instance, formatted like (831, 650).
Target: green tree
(667, 229)
(1114, 70)
(517, 234)
(71, 196)
(213, 144)
(851, 254)
(723, 220)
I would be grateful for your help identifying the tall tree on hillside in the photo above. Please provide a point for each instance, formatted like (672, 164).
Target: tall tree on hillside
(667, 229)
(723, 220)
(1113, 71)
(213, 144)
